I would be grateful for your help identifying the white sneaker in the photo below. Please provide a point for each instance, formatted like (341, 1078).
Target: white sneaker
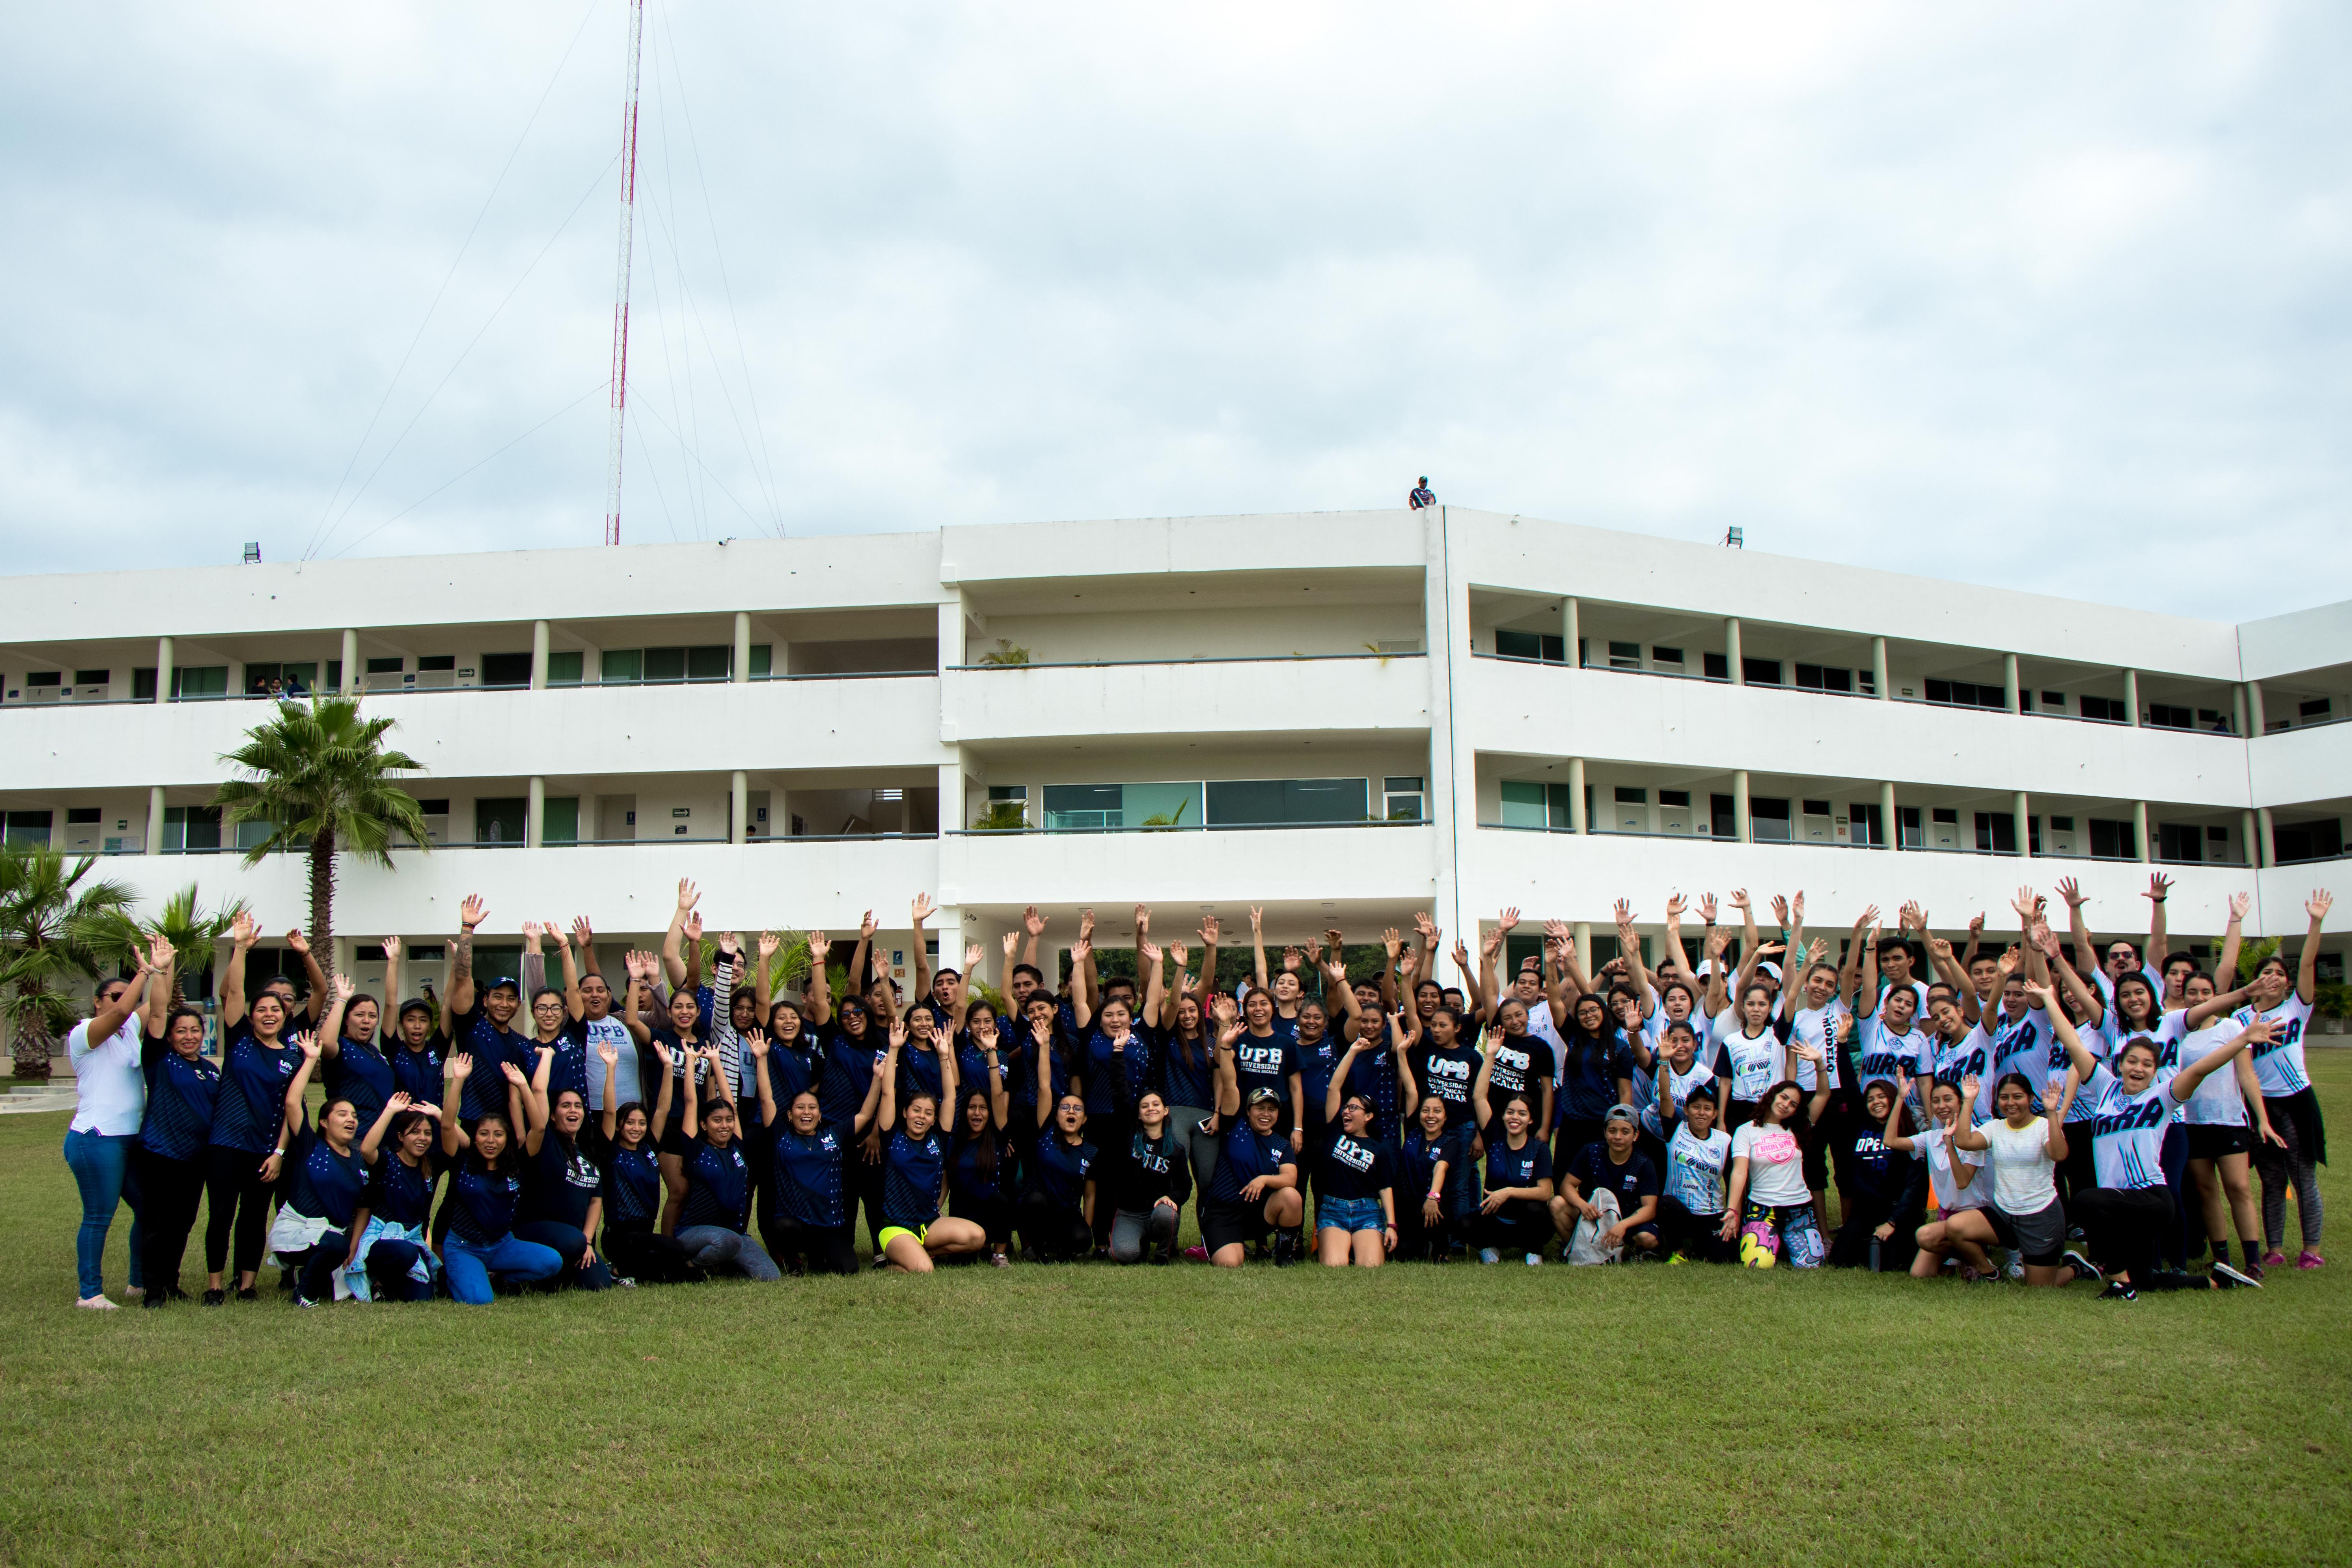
(1535, 1260)
(1486, 1255)
(97, 1304)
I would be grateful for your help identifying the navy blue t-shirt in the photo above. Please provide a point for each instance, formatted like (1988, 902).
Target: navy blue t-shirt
(1374, 1076)
(1316, 1063)
(325, 1185)
(1417, 1157)
(1062, 1170)
(718, 1187)
(481, 1201)
(849, 1064)
(633, 1185)
(807, 1177)
(180, 1092)
(911, 1172)
(417, 1074)
(399, 1193)
(251, 1106)
(490, 1043)
(1266, 1061)
(1521, 1167)
(1353, 1167)
(972, 1072)
(797, 1064)
(920, 1073)
(358, 1072)
(559, 1184)
(570, 1068)
(1244, 1155)
(1635, 1180)
(1193, 1084)
(1103, 1060)
(1588, 1076)
(967, 1180)
(1448, 1075)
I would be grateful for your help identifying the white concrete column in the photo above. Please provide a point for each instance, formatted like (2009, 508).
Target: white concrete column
(2265, 829)
(534, 829)
(953, 812)
(162, 669)
(739, 805)
(1576, 813)
(237, 678)
(951, 638)
(2257, 724)
(1452, 757)
(1731, 658)
(1886, 817)
(350, 685)
(2248, 840)
(2009, 680)
(947, 924)
(1739, 806)
(741, 670)
(539, 656)
(1584, 934)
(2020, 811)
(1878, 675)
(2238, 708)
(154, 819)
(2139, 831)
(2131, 697)
(1570, 633)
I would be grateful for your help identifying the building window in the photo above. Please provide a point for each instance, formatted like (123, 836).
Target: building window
(1253, 803)
(2054, 701)
(2113, 841)
(386, 665)
(1824, 678)
(2165, 717)
(1667, 656)
(1996, 832)
(565, 667)
(1768, 818)
(29, 827)
(1626, 795)
(1083, 806)
(1967, 694)
(1534, 646)
(506, 669)
(143, 685)
(1867, 827)
(1680, 797)
(1761, 671)
(2317, 708)
(2107, 711)
(1624, 656)
(2290, 841)
(1717, 666)
(1404, 800)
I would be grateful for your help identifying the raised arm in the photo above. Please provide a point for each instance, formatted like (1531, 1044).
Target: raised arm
(372, 1142)
(608, 1119)
(816, 988)
(641, 972)
(673, 954)
(2071, 892)
(163, 986)
(1081, 1002)
(2053, 957)
(1631, 946)
(890, 1073)
(314, 979)
(308, 1046)
(1228, 1028)
(242, 932)
(461, 959)
(2159, 888)
(1155, 980)
(921, 910)
(1892, 1133)
(454, 1070)
(574, 1008)
(531, 1095)
(2306, 975)
(390, 1011)
(2085, 1064)
(2184, 1083)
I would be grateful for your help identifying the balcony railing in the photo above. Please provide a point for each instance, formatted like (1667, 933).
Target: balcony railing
(1850, 844)
(1174, 827)
(1233, 658)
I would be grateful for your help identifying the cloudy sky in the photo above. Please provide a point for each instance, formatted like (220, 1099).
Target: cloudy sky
(2048, 295)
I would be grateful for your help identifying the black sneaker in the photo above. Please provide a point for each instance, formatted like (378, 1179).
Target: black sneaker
(2118, 1291)
(2084, 1267)
(214, 1296)
(154, 1298)
(2229, 1278)
(1285, 1251)
(247, 1293)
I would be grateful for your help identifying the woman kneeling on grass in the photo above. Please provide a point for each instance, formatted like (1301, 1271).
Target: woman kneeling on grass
(1951, 1182)
(1254, 1188)
(1149, 1184)
(1515, 1213)
(2126, 1218)
(2026, 1151)
(1355, 1197)
(914, 1170)
(392, 1255)
(326, 1176)
(1770, 1209)
(808, 1223)
(713, 1224)
(485, 1185)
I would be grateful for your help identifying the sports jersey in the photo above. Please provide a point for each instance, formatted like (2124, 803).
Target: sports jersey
(2020, 1045)
(1589, 1075)
(718, 1187)
(1353, 1167)
(1699, 1079)
(490, 1043)
(251, 1106)
(1243, 1156)
(1817, 1027)
(2278, 1061)
(807, 1176)
(2127, 1132)
(180, 1092)
(1971, 1057)
(1882, 1051)
(2216, 1102)
(399, 1193)
(1694, 1169)
(1750, 1062)
(912, 1170)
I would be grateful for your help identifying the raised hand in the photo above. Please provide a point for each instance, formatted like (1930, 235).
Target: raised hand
(158, 951)
(2239, 904)
(2319, 904)
(1939, 948)
(2011, 958)
(398, 1101)
(1461, 956)
(1624, 912)
(531, 934)
(688, 895)
(1781, 911)
(555, 934)
(1150, 950)
(1969, 1083)
(1493, 944)
(471, 911)
(1181, 954)
(244, 929)
(608, 1053)
(1707, 907)
(1258, 920)
(2022, 902)
(867, 925)
(308, 1044)
(973, 953)
(984, 1034)
(1796, 904)
(1291, 958)
(1079, 950)
(297, 941)
(1509, 920)
(922, 908)
(2159, 885)
(1086, 926)
(513, 1074)
(1011, 947)
(1392, 943)
(693, 927)
(1041, 1030)
(1739, 899)
(898, 1031)
(1209, 932)
(2072, 891)
(391, 947)
(1420, 924)
(669, 1059)
(819, 944)
(582, 933)
(1675, 907)
(341, 986)
(769, 942)
(459, 1067)
(1869, 917)
(1142, 919)
(1032, 921)
(756, 1042)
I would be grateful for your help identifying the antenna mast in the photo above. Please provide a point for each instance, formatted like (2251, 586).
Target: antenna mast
(621, 288)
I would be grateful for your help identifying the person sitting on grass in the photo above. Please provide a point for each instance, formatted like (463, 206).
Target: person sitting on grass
(1058, 1207)
(1951, 1181)
(1515, 1213)
(485, 1185)
(311, 1235)
(1885, 1193)
(391, 1253)
(1691, 1208)
(714, 1221)
(914, 1172)
(1769, 1210)
(1253, 1191)
(1355, 1197)
(1627, 1215)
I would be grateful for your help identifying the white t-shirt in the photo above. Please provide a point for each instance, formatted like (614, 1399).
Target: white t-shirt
(2216, 1102)
(1935, 1146)
(2278, 1064)
(2023, 1182)
(1753, 1064)
(110, 1091)
(1817, 1027)
(628, 1076)
(1776, 1164)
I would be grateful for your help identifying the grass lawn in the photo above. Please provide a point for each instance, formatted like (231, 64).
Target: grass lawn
(1419, 1415)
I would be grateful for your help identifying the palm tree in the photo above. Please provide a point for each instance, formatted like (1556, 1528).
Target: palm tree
(55, 930)
(195, 935)
(322, 782)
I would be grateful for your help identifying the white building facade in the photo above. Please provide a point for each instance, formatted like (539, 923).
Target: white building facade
(1342, 718)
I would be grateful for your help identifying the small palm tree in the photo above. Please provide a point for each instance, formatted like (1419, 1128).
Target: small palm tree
(322, 782)
(57, 929)
(194, 934)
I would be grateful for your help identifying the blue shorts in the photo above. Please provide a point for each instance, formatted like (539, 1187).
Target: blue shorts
(1349, 1215)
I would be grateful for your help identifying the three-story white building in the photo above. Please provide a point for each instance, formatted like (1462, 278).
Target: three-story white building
(1343, 718)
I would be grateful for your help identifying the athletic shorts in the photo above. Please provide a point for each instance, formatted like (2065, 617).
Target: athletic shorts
(1350, 1215)
(1232, 1225)
(2212, 1142)
(920, 1233)
(2041, 1236)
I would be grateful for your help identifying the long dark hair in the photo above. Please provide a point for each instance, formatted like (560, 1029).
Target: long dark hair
(985, 1142)
(1798, 1122)
(506, 1160)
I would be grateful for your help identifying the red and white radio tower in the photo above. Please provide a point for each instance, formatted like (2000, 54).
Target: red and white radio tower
(621, 288)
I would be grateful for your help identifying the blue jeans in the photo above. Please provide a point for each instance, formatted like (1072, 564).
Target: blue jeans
(471, 1266)
(101, 1169)
(715, 1249)
(566, 1242)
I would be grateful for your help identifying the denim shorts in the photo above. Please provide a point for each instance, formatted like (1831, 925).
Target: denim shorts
(1348, 1214)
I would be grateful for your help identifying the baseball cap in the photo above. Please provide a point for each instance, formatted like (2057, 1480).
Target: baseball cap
(1264, 1097)
(1621, 1113)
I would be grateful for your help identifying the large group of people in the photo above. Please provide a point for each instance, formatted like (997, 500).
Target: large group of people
(2039, 1109)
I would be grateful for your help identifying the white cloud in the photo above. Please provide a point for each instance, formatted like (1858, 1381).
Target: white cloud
(2007, 293)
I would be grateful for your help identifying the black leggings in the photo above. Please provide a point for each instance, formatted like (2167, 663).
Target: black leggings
(2126, 1227)
(1698, 1236)
(170, 1190)
(1054, 1230)
(1521, 1225)
(810, 1249)
(993, 1216)
(1419, 1242)
(1850, 1248)
(389, 1261)
(640, 1252)
(317, 1265)
(234, 1190)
